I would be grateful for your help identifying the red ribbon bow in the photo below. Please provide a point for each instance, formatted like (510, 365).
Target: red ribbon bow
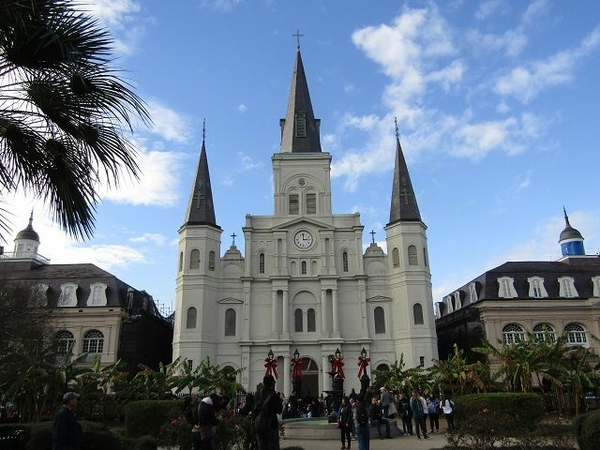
(297, 368)
(338, 366)
(271, 366)
(362, 366)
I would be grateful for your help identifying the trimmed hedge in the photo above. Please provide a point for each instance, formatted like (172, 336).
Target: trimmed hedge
(146, 417)
(95, 436)
(587, 430)
(483, 420)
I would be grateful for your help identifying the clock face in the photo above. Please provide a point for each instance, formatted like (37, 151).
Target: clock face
(303, 239)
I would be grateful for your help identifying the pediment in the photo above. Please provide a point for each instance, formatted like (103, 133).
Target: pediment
(230, 301)
(303, 220)
(379, 298)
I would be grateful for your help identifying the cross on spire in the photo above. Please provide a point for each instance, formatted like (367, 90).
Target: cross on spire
(233, 236)
(396, 125)
(372, 233)
(298, 36)
(203, 130)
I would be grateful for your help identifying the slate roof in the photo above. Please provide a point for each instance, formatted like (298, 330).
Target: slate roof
(404, 201)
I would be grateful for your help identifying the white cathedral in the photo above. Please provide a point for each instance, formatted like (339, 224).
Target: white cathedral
(305, 283)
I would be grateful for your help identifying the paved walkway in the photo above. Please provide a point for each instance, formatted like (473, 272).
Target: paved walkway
(401, 442)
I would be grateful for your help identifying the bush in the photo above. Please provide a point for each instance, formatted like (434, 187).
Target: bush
(235, 432)
(485, 419)
(587, 430)
(95, 436)
(146, 417)
(146, 442)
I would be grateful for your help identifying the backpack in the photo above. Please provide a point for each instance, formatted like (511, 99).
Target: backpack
(362, 416)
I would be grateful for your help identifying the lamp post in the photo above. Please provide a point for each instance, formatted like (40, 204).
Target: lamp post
(363, 363)
(297, 374)
(337, 378)
(271, 364)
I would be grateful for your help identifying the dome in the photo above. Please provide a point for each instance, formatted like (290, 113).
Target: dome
(28, 233)
(570, 233)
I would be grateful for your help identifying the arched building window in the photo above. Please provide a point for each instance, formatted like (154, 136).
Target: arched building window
(64, 341)
(576, 334)
(93, 341)
(418, 314)
(303, 267)
(261, 263)
(543, 331)
(195, 259)
(513, 333)
(298, 328)
(230, 324)
(379, 317)
(345, 262)
(425, 256)
(180, 261)
(395, 257)
(191, 317)
(311, 321)
(413, 259)
(211, 260)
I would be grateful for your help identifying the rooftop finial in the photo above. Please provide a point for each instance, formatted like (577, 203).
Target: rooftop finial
(298, 36)
(203, 130)
(372, 233)
(31, 218)
(566, 217)
(396, 125)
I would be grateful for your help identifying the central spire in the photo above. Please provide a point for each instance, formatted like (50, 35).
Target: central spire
(300, 131)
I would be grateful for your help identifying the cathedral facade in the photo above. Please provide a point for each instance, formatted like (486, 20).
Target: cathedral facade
(305, 284)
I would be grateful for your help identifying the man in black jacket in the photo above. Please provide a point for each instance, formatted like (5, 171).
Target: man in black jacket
(66, 434)
(267, 406)
(207, 419)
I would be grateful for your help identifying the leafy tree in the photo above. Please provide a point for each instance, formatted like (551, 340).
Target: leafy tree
(62, 109)
(458, 376)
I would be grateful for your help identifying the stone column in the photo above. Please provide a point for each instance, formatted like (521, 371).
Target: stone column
(324, 330)
(286, 315)
(334, 309)
(286, 373)
(326, 367)
(274, 327)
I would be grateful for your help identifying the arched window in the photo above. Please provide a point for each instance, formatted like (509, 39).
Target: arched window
(294, 206)
(298, 328)
(180, 261)
(195, 259)
(379, 316)
(383, 367)
(211, 260)
(303, 267)
(64, 341)
(576, 334)
(345, 261)
(395, 257)
(418, 314)
(261, 263)
(512, 333)
(425, 256)
(230, 322)
(543, 331)
(93, 341)
(311, 203)
(311, 325)
(413, 259)
(191, 318)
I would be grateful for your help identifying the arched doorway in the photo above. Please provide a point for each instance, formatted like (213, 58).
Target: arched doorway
(310, 381)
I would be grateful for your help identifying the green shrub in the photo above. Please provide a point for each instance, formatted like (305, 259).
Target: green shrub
(176, 433)
(485, 419)
(235, 432)
(146, 442)
(95, 436)
(146, 417)
(587, 430)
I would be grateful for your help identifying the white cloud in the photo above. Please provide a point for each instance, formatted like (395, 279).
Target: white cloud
(153, 238)
(527, 81)
(487, 8)
(478, 139)
(242, 108)
(221, 5)
(247, 164)
(511, 42)
(168, 123)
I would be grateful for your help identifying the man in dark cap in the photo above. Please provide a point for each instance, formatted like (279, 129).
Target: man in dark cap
(66, 434)
(267, 406)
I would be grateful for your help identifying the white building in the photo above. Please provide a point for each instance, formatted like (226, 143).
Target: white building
(304, 282)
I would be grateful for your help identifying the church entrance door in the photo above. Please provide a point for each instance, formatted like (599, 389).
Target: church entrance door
(310, 381)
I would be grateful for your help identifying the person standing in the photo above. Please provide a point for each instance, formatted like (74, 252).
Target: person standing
(448, 409)
(405, 414)
(191, 415)
(207, 419)
(419, 410)
(377, 419)
(268, 405)
(66, 433)
(345, 422)
(361, 423)
(433, 411)
(385, 401)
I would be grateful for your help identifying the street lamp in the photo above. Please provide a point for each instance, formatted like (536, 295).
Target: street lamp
(363, 363)
(363, 353)
(338, 353)
(296, 354)
(271, 355)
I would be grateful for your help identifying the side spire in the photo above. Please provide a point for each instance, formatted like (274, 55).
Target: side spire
(300, 131)
(404, 206)
(201, 209)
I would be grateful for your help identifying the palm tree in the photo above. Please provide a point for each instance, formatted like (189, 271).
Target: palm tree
(62, 109)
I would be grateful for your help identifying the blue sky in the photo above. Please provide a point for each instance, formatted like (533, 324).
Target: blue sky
(498, 107)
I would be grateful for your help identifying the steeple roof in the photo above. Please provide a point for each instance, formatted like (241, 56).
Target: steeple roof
(300, 131)
(569, 232)
(28, 233)
(201, 209)
(404, 206)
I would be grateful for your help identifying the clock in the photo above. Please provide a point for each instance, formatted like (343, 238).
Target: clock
(303, 239)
